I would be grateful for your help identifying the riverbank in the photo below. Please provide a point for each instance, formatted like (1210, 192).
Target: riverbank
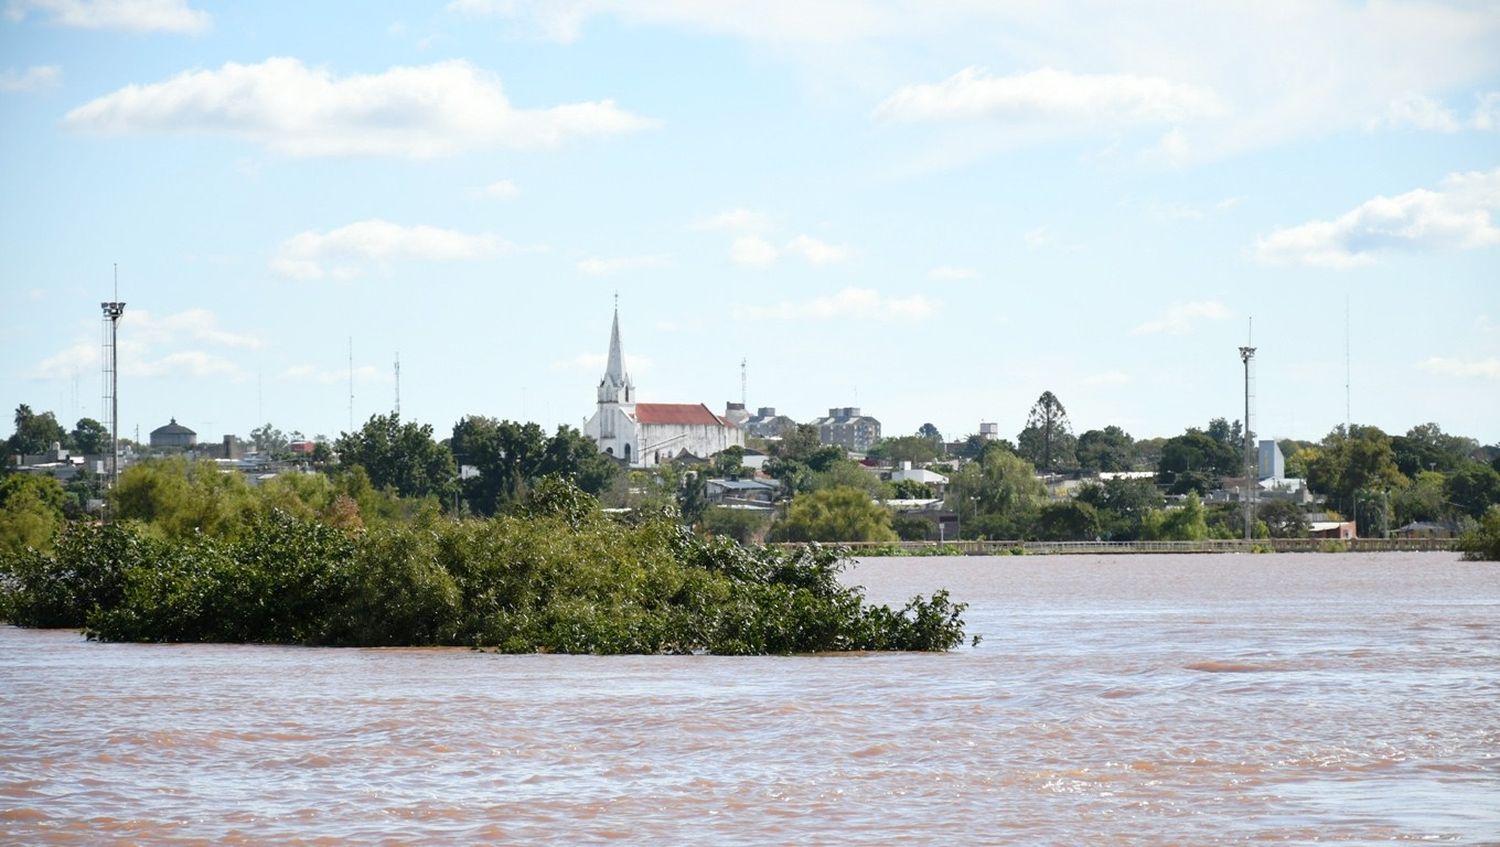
(1056, 548)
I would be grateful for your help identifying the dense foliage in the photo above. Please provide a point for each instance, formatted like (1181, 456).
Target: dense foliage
(1483, 541)
(558, 576)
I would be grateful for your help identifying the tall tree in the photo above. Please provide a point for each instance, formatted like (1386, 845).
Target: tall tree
(400, 456)
(1047, 441)
(931, 433)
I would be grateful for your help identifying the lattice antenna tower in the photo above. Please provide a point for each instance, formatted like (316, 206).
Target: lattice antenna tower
(351, 384)
(744, 382)
(1247, 356)
(398, 383)
(112, 310)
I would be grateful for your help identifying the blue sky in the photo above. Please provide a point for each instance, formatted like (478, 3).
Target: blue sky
(931, 210)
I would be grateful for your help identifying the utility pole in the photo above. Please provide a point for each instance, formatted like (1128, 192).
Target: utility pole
(1247, 355)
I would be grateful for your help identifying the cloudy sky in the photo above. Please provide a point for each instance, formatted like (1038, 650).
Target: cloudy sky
(931, 210)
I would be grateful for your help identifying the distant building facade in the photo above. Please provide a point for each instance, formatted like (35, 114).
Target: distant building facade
(173, 434)
(847, 427)
(765, 423)
(643, 435)
(1272, 464)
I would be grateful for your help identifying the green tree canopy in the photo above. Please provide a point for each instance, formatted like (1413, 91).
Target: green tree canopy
(1194, 461)
(1070, 520)
(834, 514)
(1123, 505)
(401, 456)
(35, 433)
(1283, 518)
(31, 511)
(90, 437)
(1473, 488)
(1106, 450)
(1426, 447)
(511, 456)
(999, 493)
(1347, 461)
(906, 448)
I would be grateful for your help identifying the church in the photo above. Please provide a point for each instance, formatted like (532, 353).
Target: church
(641, 435)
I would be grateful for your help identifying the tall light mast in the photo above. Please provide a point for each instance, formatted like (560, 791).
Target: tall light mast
(112, 310)
(1247, 356)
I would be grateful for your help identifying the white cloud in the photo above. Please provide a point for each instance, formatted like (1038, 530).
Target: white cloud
(735, 220)
(196, 324)
(1487, 111)
(827, 21)
(341, 253)
(1182, 318)
(1050, 95)
(336, 375)
(758, 252)
(142, 337)
(597, 362)
(418, 112)
(1107, 378)
(950, 273)
(603, 267)
(752, 250)
(1481, 368)
(182, 363)
(817, 252)
(130, 15)
(1418, 112)
(1455, 216)
(34, 78)
(1282, 70)
(502, 189)
(849, 303)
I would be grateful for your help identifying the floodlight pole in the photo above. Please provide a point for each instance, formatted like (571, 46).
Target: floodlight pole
(1247, 354)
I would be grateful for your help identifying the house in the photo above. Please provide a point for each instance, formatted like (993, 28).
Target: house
(740, 492)
(1427, 529)
(643, 435)
(1341, 530)
(847, 427)
(932, 479)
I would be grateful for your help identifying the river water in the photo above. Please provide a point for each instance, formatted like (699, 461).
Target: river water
(1184, 699)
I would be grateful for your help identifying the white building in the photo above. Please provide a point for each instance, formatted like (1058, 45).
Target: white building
(645, 434)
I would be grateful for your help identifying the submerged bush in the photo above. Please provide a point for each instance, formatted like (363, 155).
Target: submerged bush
(559, 577)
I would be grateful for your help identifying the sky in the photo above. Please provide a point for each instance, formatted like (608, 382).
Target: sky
(934, 211)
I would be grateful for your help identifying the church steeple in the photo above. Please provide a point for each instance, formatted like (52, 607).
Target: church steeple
(616, 386)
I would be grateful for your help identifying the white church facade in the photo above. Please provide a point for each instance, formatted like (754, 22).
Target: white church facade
(642, 435)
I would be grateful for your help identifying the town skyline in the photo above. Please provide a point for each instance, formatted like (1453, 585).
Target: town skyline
(933, 214)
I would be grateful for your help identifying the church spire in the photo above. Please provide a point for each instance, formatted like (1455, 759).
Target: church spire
(616, 387)
(615, 370)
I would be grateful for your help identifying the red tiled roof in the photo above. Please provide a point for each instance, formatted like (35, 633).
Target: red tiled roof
(695, 414)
